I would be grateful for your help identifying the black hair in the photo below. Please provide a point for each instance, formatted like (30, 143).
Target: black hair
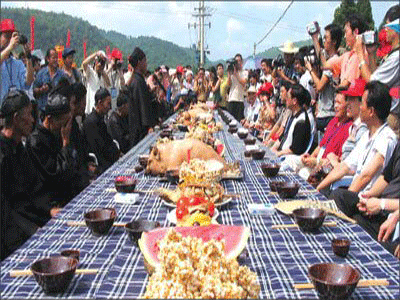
(286, 84)
(101, 94)
(157, 69)
(239, 55)
(201, 69)
(48, 53)
(123, 96)
(213, 71)
(299, 92)
(252, 74)
(267, 61)
(136, 56)
(379, 98)
(220, 65)
(79, 91)
(13, 102)
(300, 56)
(336, 34)
(392, 14)
(35, 59)
(356, 21)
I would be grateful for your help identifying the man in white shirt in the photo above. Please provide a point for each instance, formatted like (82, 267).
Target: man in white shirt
(237, 80)
(252, 108)
(96, 77)
(116, 76)
(375, 147)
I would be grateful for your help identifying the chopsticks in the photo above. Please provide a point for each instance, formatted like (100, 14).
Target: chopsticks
(19, 273)
(284, 226)
(83, 223)
(361, 283)
(339, 215)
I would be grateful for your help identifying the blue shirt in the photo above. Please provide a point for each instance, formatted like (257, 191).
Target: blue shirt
(13, 74)
(43, 77)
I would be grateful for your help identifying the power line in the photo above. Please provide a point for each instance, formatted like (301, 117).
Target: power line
(273, 27)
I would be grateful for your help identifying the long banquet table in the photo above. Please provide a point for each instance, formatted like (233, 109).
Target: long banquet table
(279, 257)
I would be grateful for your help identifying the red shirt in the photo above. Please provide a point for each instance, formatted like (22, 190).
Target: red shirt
(335, 135)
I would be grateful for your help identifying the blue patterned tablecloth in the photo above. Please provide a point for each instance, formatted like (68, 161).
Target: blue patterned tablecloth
(279, 257)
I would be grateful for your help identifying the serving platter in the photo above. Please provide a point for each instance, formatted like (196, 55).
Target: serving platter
(171, 217)
(173, 205)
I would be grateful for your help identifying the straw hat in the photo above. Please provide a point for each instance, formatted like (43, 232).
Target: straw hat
(288, 47)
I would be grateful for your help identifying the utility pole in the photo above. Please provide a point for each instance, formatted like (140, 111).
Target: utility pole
(201, 15)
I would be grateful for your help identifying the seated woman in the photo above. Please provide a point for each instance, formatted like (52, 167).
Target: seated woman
(267, 115)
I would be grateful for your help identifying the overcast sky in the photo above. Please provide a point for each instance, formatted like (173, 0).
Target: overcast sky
(235, 26)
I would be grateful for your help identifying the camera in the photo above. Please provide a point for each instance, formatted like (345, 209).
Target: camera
(368, 37)
(313, 27)
(101, 60)
(232, 65)
(311, 56)
(118, 65)
(23, 40)
(278, 62)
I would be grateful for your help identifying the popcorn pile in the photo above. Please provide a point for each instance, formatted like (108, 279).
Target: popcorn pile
(191, 268)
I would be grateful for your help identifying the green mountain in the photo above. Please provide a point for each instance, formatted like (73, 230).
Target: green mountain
(51, 29)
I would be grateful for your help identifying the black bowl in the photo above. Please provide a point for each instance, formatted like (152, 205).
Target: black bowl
(100, 221)
(258, 154)
(248, 153)
(232, 129)
(341, 247)
(249, 141)
(172, 175)
(166, 133)
(309, 219)
(183, 128)
(54, 274)
(143, 160)
(74, 253)
(334, 281)
(288, 189)
(137, 227)
(273, 185)
(242, 135)
(125, 184)
(164, 126)
(270, 170)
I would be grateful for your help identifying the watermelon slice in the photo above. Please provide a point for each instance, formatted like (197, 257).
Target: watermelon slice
(235, 239)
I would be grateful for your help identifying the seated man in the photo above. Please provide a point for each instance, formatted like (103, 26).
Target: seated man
(297, 134)
(335, 135)
(374, 149)
(49, 147)
(118, 122)
(252, 108)
(95, 130)
(370, 208)
(21, 187)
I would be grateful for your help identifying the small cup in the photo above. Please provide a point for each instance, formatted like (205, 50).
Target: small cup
(341, 247)
(71, 253)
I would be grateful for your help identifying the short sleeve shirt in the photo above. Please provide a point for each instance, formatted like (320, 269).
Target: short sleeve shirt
(383, 142)
(237, 91)
(13, 74)
(389, 71)
(335, 135)
(349, 66)
(93, 83)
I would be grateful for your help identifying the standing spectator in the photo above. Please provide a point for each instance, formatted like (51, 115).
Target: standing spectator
(96, 77)
(118, 122)
(305, 76)
(22, 190)
(14, 75)
(95, 130)
(47, 79)
(215, 84)
(237, 80)
(287, 72)
(223, 86)
(201, 85)
(324, 84)
(266, 70)
(375, 147)
(116, 76)
(141, 117)
(72, 73)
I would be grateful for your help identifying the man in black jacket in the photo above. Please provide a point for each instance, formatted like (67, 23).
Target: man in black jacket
(21, 187)
(142, 116)
(95, 130)
(49, 147)
(118, 122)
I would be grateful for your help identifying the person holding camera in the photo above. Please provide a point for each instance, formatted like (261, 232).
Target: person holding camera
(72, 74)
(324, 83)
(237, 80)
(47, 79)
(14, 74)
(116, 76)
(96, 77)
(285, 69)
(201, 85)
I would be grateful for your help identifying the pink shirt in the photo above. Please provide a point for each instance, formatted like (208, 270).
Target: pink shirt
(348, 64)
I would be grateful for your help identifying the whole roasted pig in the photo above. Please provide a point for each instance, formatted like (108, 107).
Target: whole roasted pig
(169, 156)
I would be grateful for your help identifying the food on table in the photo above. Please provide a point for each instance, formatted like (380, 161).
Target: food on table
(172, 154)
(187, 206)
(198, 170)
(196, 219)
(198, 262)
(214, 192)
(125, 184)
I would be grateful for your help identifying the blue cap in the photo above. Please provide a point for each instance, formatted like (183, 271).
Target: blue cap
(67, 51)
(394, 25)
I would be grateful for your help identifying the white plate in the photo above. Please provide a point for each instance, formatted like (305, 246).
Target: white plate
(171, 217)
(173, 205)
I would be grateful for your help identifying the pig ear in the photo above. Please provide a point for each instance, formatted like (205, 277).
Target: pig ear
(156, 152)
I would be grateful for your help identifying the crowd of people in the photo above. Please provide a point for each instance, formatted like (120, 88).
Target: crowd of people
(329, 113)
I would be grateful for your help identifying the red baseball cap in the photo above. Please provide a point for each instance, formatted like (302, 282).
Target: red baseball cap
(395, 92)
(356, 88)
(7, 25)
(179, 69)
(384, 45)
(267, 87)
(116, 53)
